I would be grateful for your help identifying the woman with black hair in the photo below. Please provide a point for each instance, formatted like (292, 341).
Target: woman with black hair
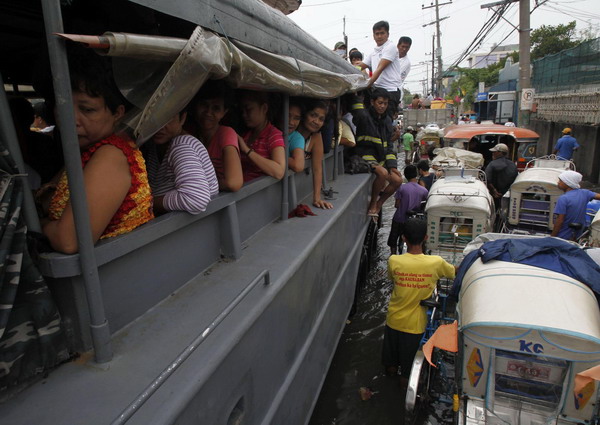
(310, 127)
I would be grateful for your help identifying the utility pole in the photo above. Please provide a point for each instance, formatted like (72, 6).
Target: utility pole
(438, 51)
(524, 51)
(345, 38)
(524, 56)
(433, 87)
(425, 81)
(426, 77)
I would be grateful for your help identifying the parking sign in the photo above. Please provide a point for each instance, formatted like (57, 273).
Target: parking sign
(527, 99)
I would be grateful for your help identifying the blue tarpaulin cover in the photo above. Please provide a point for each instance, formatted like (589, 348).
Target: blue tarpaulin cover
(547, 253)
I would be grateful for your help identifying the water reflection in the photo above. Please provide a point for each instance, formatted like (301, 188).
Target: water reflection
(357, 361)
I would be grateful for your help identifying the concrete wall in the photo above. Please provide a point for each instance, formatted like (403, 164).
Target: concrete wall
(587, 157)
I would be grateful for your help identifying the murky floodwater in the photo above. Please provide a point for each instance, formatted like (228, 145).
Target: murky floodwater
(357, 361)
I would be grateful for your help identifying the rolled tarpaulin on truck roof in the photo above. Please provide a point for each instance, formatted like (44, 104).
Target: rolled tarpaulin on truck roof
(135, 46)
(208, 56)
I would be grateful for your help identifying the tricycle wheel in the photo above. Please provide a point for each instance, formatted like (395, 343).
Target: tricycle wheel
(417, 392)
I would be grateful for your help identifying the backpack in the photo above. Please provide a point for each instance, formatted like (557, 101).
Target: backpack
(356, 164)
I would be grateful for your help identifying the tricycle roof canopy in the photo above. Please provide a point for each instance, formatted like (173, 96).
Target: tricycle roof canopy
(510, 305)
(538, 179)
(471, 130)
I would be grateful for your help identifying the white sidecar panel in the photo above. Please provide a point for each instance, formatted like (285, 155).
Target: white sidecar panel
(527, 309)
(533, 196)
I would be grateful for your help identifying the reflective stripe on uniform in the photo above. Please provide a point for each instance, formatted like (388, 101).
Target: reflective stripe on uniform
(369, 139)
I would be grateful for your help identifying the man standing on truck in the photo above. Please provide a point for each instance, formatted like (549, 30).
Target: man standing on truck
(403, 47)
(384, 61)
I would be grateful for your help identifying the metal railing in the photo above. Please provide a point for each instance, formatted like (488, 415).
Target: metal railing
(66, 120)
(135, 405)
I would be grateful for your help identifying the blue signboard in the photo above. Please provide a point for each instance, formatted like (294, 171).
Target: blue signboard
(482, 96)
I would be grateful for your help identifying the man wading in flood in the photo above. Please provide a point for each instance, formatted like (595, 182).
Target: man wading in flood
(415, 276)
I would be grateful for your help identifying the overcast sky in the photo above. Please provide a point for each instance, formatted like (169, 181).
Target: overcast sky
(323, 19)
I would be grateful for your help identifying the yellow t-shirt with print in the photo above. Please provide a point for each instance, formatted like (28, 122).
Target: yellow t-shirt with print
(414, 277)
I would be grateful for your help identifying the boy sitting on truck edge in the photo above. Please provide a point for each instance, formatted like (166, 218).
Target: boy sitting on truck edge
(374, 137)
(415, 276)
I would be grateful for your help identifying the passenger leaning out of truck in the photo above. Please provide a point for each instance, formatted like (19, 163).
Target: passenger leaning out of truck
(208, 108)
(263, 148)
(295, 139)
(571, 207)
(181, 174)
(374, 137)
(310, 128)
(114, 171)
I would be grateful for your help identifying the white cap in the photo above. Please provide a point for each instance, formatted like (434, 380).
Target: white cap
(571, 178)
(500, 147)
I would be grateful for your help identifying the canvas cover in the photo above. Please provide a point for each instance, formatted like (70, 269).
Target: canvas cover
(476, 243)
(160, 75)
(457, 157)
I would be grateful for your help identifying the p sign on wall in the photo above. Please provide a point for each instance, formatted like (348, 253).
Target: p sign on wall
(527, 99)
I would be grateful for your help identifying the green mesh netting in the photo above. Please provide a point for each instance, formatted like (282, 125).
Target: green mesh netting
(569, 69)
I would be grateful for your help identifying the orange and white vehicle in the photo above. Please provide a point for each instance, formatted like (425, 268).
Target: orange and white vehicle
(480, 138)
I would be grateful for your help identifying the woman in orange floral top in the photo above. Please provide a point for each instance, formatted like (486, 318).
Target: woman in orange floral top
(114, 171)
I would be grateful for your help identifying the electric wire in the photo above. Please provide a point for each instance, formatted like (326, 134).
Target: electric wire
(481, 35)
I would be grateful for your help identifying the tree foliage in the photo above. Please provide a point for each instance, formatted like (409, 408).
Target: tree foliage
(549, 39)
(407, 96)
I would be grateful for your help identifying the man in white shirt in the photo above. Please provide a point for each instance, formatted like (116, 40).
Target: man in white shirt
(403, 47)
(384, 61)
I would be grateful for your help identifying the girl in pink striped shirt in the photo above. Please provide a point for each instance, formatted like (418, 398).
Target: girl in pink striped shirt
(180, 171)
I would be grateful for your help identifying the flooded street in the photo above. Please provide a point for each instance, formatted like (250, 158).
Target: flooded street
(357, 361)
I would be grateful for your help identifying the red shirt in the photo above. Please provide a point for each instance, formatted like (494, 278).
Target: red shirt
(269, 139)
(224, 136)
